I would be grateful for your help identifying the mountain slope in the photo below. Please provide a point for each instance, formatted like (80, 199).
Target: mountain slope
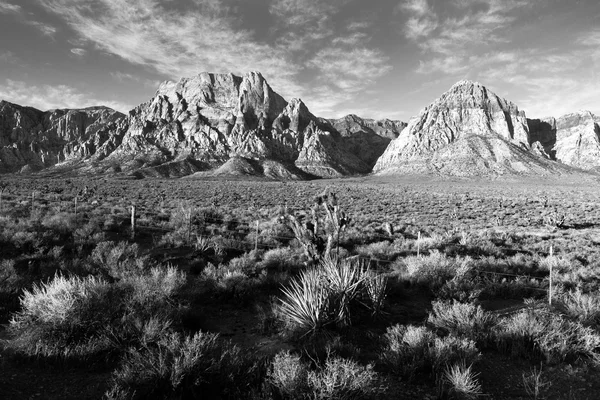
(33, 139)
(468, 131)
(573, 139)
(211, 118)
(367, 138)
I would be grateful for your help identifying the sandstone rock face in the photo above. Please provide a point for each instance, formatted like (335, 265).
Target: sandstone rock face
(467, 121)
(35, 139)
(211, 118)
(573, 139)
(367, 138)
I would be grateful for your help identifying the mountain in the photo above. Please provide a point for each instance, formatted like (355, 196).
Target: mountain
(212, 118)
(468, 131)
(33, 139)
(573, 139)
(208, 124)
(367, 138)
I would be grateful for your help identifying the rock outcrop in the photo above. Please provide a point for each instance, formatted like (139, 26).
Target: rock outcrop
(212, 118)
(573, 139)
(33, 139)
(367, 138)
(468, 131)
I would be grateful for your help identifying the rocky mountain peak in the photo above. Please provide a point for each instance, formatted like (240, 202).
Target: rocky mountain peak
(466, 110)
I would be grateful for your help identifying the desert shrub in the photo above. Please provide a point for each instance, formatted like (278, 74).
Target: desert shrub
(384, 250)
(290, 378)
(462, 382)
(376, 289)
(584, 307)
(462, 319)
(451, 349)
(180, 366)
(323, 296)
(89, 232)
(287, 376)
(64, 317)
(119, 260)
(155, 291)
(282, 258)
(74, 318)
(435, 269)
(343, 379)
(410, 350)
(542, 334)
(63, 223)
(246, 263)
(406, 348)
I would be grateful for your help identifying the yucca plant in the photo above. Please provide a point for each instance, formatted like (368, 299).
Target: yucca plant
(306, 302)
(344, 280)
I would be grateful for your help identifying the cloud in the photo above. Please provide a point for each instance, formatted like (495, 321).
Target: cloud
(79, 51)
(174, 42)
(8, 8)
(422, 21)
(46, 97)
(46, 29)
(123, 77)
(448, 40)
(8, 57)
(206, 35)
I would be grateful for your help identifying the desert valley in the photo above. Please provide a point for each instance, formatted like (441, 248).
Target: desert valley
(219, 241)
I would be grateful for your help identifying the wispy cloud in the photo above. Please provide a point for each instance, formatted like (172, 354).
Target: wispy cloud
(46, 97)
(173, 42)
(79, 52)
(45, 29)
(123, 77)
(205, 35)
(8, 57)
(448, 40)
(9, 8)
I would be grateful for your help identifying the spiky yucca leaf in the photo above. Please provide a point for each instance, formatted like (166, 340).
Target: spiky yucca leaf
(344, 279)
(305, 302)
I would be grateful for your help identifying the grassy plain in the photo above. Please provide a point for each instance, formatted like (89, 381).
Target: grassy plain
(462, 269)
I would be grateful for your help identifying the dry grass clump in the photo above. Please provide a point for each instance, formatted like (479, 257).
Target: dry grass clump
(177, 366)
(543, 334)
(75, 318)
(463, 319)
(435, 269)
(462, 382)
(410, 350)
(291, 378)
(585, 307)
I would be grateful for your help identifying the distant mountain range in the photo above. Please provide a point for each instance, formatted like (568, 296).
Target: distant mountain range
(222, 124)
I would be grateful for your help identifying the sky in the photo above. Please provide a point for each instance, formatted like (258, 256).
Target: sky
(373, 58)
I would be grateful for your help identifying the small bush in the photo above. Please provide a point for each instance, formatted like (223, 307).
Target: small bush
(584, 307)
(180, 366)
(288, 375)
(435, 269)
(462, 319)
(66, 316)
(343, 379)
(541, 333)
(463, 382)
(410, 350)
(338, 378)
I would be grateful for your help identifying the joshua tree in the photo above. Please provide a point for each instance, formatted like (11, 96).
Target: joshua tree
(318, 235)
